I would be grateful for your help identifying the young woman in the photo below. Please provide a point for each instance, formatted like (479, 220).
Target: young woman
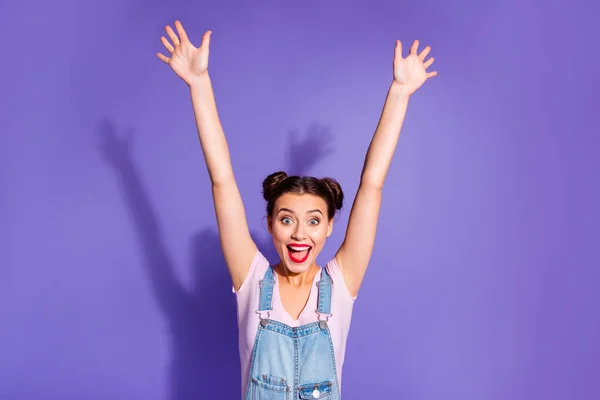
(294, 317)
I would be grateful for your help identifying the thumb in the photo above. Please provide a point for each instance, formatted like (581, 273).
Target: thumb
(398, 50)
(206, 39)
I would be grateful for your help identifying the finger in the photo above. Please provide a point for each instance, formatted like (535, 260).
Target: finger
(431, 74)
(172, 35)
(206, 39)
(163, 58)
(181, 31)
(414, 47)
(398, 50)
(428, 63)
(167, 44)
(424, 53)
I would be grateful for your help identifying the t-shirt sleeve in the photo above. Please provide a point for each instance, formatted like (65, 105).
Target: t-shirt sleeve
(259, 264)
(338, 278)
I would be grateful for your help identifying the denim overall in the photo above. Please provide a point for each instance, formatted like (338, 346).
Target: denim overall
(293, 362)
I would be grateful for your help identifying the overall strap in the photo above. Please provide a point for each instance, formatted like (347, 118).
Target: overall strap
(265, 301)
(324, 286)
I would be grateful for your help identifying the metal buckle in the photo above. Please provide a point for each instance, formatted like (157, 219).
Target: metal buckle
(323, 322)
(264, 321)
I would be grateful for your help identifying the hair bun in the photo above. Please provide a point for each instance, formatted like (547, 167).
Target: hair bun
(336, 192)
(271, 182)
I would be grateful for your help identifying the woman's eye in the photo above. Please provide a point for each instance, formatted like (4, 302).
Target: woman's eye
(286, 220)
(313, 222)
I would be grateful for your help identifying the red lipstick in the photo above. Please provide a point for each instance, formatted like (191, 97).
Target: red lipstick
(296, 249)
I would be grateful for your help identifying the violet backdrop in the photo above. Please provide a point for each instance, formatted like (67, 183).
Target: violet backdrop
(483, 281)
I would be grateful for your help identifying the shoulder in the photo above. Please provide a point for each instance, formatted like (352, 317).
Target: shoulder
(258, 267)
(334, 271)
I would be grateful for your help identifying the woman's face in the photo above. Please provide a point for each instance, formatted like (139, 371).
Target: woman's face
(299, 226)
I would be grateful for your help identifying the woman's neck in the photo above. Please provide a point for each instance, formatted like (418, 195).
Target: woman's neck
(297, 279)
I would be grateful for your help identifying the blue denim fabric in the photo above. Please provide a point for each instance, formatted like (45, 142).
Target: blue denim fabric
(293, 362)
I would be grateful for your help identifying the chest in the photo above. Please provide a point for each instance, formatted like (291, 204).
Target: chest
(294, 299)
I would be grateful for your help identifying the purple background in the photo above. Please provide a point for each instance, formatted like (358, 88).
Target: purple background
(483, 283)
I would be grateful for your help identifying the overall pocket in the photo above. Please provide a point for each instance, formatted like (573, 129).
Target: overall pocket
(268, 387)
(314, 391)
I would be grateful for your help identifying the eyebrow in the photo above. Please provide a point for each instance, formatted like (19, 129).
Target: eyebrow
(291, 212)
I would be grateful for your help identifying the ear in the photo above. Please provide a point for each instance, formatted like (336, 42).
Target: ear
(330, 227)
(269, 222)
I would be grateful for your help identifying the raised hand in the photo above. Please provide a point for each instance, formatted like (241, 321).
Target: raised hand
(411, 72)
(188, 62)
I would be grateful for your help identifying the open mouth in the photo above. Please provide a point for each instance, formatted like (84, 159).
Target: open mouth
(298, 253)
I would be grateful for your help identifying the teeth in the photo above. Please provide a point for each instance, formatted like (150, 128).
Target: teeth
(298, 248)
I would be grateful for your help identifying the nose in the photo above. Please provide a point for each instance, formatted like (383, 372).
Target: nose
(298, 233)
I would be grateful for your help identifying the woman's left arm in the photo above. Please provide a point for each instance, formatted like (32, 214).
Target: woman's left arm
(355, 252)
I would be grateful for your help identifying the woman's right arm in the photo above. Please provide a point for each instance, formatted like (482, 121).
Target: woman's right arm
(191, 64)
(238, 247)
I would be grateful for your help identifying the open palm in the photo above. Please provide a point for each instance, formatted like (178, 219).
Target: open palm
(188, 62)
(411, 72)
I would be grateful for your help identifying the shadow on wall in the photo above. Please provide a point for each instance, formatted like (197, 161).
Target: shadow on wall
(202, 321)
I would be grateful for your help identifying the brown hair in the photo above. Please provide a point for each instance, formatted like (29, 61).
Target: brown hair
(279, 183)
